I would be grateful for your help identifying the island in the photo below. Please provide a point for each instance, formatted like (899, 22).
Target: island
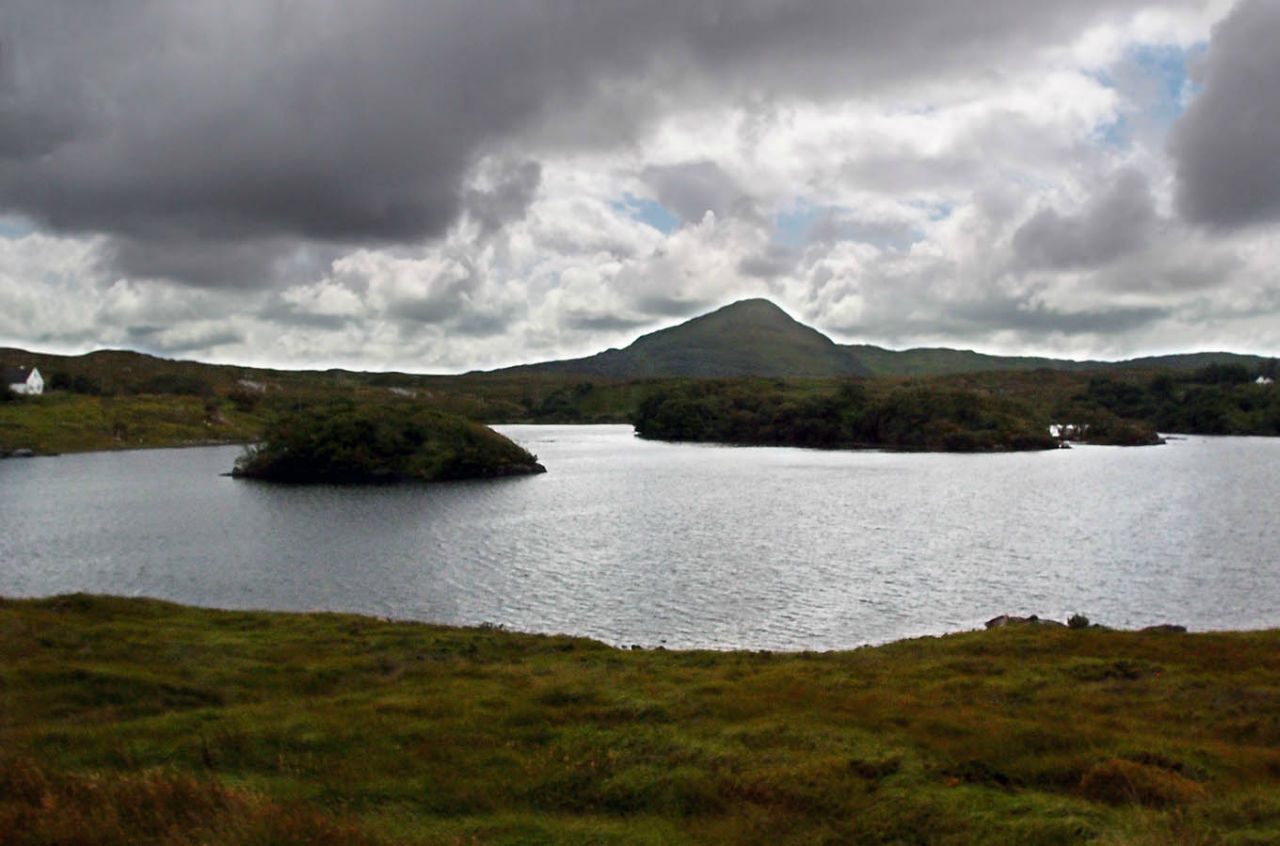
(906, 416)
(347, 442)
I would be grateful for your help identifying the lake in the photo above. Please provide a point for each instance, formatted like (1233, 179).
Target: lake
(688, 546)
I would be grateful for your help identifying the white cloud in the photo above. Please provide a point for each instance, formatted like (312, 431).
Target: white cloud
(987, 174)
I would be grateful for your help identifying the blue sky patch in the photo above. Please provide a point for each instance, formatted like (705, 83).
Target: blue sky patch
(648, 212)
(793, 227)
(15, 227)
(1160, 70)
(796, 228)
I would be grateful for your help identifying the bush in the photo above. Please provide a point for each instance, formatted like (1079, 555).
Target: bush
(1118, 781)
(1078, 621)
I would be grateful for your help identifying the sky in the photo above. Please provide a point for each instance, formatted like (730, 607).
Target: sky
(451, 185)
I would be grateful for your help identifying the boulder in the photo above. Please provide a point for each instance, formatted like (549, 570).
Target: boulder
(1009, 620)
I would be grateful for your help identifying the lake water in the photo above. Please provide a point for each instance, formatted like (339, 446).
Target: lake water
(632, 541)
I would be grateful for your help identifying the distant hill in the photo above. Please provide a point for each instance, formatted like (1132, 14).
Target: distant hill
(940, 361)
(756, 338)
(747, 338)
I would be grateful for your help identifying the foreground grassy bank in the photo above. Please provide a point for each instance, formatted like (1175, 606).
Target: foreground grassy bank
(136, 721)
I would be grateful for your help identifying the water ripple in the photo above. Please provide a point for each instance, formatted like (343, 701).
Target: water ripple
(692, 546)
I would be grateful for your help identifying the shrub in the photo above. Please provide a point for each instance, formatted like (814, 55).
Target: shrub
(1118, 781)
(1078, 621)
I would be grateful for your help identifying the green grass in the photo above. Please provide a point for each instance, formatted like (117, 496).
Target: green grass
(65, 422)
(144, 722)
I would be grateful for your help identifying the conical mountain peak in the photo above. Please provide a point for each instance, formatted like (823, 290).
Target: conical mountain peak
(752, 337)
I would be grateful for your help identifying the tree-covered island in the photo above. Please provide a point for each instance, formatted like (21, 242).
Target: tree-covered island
(903, 416)
(346, 442)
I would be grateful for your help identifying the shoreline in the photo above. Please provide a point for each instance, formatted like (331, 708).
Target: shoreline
(137, 716)
(1032, 622)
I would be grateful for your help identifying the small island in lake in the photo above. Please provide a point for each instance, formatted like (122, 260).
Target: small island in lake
(899, 416)
(350, 443)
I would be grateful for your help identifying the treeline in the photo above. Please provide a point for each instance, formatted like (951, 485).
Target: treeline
(912, 416)
(1221, 399)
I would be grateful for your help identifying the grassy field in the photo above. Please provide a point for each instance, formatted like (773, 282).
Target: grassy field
(136, 721)
(55, 423)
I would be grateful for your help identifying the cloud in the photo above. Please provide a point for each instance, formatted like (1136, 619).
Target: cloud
(1226, 145)
(691, 189)
(1111, 225)
(336, 123)
(511, 190)
(471, 184)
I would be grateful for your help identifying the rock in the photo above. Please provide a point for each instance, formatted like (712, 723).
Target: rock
(1008, 620)
(1167, 628)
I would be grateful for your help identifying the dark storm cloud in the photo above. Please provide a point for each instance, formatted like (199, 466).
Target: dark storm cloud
(508, 199)
(1111, 225)
(169, 123)
(692, 189)
(776, 260)
(153, 337)
(662, 305)
(246, 264)
(285, 313)
(603, 322)
(1015, 314)
(979, 318)
(1227, 144)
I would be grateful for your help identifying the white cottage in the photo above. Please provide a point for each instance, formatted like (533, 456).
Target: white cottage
(24, 380)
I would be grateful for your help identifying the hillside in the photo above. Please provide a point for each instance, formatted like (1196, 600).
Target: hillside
(131, 721)
(756, 338)
(746, 338)
(114, 399)
(942, 361)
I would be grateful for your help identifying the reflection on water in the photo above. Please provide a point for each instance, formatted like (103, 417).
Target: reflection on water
(632, 541)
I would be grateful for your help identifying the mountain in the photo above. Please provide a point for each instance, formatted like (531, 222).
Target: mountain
(746, 338)
(756, 338)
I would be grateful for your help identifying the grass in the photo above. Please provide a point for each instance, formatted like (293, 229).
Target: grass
(64, 422)
(137, 721)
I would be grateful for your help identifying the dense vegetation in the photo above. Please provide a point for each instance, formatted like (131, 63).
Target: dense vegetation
(1216, 400)
(140, 722)
(896, 416)
(350, 442)
(118, 399)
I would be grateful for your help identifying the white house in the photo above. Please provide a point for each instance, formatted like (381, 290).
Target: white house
(24, 380)
(1264, 380)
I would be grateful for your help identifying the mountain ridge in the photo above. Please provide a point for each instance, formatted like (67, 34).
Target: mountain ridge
(771, 343)
(752, 337)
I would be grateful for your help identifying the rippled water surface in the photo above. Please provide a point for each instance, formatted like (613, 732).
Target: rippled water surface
(633, 541)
